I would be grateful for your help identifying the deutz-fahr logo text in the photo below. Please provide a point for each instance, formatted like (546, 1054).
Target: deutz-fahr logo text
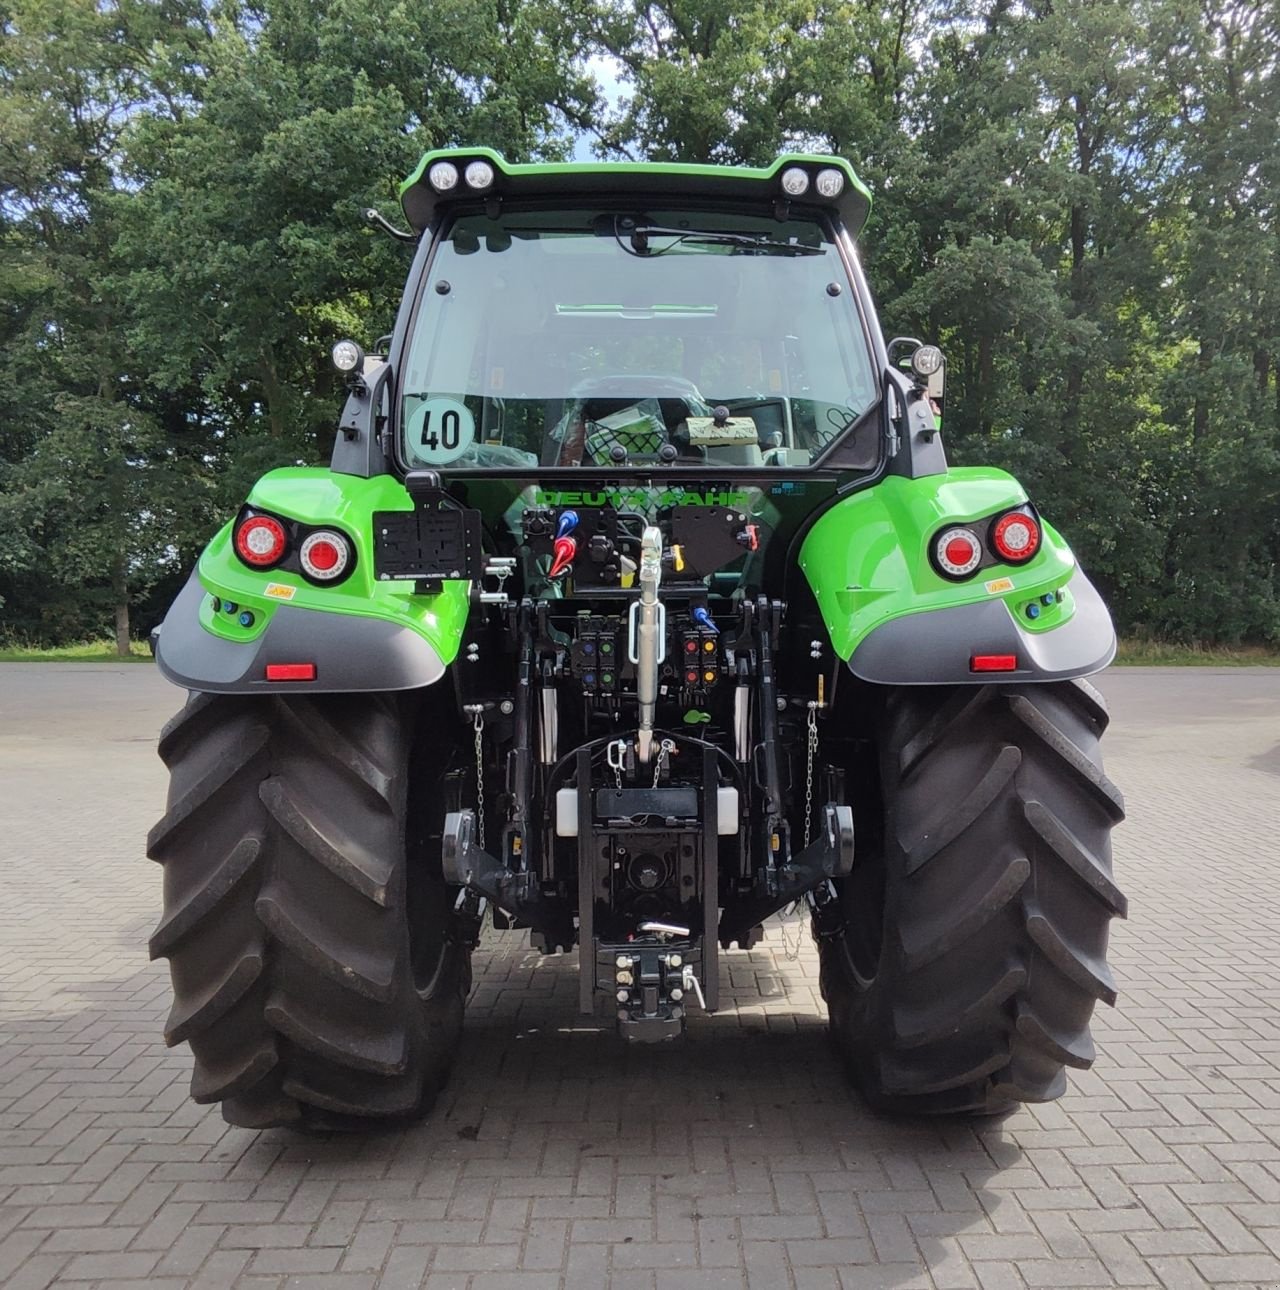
(638, 498)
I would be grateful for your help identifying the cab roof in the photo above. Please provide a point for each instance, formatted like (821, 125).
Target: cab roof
(651, 180)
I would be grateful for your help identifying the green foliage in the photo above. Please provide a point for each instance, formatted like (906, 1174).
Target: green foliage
(1078, 200)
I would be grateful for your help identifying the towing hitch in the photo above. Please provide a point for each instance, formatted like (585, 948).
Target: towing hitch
(651, 979)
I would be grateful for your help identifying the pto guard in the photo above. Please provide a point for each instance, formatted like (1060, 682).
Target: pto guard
(362, 634)
(897, 621)
(350, 653)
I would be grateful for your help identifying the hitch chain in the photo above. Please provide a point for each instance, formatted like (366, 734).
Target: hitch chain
(811, 748)
(665, 749)
(614, 754)
(477, 723)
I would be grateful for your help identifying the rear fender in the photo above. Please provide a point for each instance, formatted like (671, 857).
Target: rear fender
(230, 622)
(897, 621)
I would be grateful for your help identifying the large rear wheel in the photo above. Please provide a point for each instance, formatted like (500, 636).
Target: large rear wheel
(975, 929)
(319, 974)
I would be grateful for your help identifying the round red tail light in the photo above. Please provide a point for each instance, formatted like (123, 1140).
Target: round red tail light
(957, 552)
(325, 555)
(1016, 537)
(260, 541)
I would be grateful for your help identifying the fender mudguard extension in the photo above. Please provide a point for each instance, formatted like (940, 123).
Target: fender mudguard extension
(935, 647)
(351, 653)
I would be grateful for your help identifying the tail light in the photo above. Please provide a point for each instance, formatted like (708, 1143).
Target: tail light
(957, 552)
(325, 555)
(260, 541)
(1015, 537)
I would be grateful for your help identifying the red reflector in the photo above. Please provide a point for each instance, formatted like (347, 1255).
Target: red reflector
(993, 663)
(291, 671)
(324, 555)
(958, 551)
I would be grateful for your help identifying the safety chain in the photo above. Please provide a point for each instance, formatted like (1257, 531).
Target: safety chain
(615, 753)
(793, 921)
(478, 725)
(810, 750)
(665, 749)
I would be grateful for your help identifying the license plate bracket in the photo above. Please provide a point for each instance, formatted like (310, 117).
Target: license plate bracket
(439, 540)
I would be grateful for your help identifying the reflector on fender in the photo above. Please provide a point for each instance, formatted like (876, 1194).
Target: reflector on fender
(291, 671)
(993, 663)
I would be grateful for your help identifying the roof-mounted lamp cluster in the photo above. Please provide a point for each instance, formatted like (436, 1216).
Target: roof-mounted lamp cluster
(828, 183)
(447, 176)
(477, 175)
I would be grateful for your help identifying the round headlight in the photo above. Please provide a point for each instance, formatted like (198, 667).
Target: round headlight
(795, 182)
(829, 183)
(926, 360)
(479, 174)
(443, 176)
(347, 356)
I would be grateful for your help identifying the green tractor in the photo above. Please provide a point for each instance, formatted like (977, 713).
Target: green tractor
(637, 604)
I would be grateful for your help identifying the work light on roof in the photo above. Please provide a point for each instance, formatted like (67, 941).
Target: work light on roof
(829, 183)
(443, 176)
(795, 182)
(478, 174)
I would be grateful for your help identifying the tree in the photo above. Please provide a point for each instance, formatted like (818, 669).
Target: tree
(83, 464)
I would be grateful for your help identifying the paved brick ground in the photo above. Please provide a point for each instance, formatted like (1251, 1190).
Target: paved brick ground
(555, 1158)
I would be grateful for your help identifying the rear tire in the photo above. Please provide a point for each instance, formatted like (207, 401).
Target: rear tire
(975, 933)
(292, 858)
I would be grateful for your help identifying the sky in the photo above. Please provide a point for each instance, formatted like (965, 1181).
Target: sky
(608, 75)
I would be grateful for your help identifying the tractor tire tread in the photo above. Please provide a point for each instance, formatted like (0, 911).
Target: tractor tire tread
(999, 896)
(285, 923)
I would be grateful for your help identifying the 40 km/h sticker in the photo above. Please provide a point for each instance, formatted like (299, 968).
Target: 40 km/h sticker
(441, 430)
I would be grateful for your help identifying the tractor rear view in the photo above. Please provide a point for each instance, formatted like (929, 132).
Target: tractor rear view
(637, 603)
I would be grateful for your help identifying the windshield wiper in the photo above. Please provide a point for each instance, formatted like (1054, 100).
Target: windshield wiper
(638, 235)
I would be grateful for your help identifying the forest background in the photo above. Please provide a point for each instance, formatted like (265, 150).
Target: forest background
(1076, 198)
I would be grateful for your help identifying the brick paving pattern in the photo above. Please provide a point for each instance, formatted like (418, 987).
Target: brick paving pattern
(556, 1158)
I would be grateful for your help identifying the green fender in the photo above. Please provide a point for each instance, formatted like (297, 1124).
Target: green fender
(361, 634)
(897, 621)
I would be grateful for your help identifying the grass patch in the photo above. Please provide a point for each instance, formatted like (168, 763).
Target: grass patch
(1143, 653)
(82, 652)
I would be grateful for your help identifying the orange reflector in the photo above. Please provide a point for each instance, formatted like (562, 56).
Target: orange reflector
(291, 671)
(993, 663)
